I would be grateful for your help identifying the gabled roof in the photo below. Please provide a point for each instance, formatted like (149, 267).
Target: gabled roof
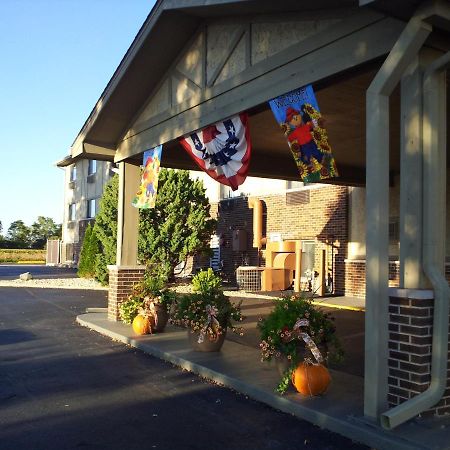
(171, 23)
(157, 48)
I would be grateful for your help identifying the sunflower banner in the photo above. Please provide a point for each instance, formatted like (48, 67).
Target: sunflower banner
(298, 115)
(146, 195)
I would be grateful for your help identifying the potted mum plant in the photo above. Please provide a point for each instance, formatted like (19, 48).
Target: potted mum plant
(146, 308)
(297, 332)
(207, 313)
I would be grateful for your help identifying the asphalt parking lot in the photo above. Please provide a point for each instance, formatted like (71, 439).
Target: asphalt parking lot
(65, 387)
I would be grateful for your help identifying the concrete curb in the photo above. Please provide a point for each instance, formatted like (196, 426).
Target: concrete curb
(336, 306)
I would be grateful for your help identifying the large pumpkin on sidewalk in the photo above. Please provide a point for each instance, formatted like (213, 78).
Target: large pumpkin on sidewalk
(311, 379)
(141, 324)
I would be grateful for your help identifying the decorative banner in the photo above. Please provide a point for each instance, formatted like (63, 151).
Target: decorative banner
(146, 195)
(298, 114)
(222, 150)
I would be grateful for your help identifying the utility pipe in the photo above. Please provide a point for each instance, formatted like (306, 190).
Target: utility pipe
(434, 150)
(257, 206)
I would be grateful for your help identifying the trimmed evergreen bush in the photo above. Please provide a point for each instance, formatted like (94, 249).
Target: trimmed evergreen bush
(106, 229)
(89, 251)
(180, 224)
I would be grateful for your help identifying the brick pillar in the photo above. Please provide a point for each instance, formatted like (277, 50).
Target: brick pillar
(355, 278)
(410, 338)
(121, 281)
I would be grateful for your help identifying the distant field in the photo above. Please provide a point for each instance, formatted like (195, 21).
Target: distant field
(22, 256)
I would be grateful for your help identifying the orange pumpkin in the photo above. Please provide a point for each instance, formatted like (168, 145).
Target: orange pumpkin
(311, 379)
(141, 324)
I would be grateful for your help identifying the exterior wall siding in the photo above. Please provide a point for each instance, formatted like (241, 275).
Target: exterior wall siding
(79, 192)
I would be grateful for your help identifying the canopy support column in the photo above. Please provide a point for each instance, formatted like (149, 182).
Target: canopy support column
(377, 206)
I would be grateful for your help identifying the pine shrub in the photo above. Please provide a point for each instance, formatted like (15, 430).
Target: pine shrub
(106, 229)
(180, 224)
(89, 251)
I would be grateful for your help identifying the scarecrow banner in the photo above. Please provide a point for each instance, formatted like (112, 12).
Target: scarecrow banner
(222, 150)
(146, 195)
(299, 117)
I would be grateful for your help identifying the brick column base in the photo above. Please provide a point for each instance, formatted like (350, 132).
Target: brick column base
(121, 281)
(410, 338)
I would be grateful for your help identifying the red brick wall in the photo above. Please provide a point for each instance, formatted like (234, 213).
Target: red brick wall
(355, 277)
(121, 281)
(324, 219)
(410, 339)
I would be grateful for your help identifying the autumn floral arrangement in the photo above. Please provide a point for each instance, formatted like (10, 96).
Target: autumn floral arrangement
(207, 310)
(150, 293)
(293, 332)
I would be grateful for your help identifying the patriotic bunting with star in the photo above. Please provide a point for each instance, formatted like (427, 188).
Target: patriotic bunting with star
(222, 150)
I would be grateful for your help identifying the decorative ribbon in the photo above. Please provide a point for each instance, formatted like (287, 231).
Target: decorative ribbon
(211, 321)
(153, 312)
(296, 332)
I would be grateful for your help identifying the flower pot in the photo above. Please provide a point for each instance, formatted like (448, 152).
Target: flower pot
(162, 316)
(207, 345)
(282, 363)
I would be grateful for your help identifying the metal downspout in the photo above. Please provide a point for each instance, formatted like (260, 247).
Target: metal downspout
(433, 260)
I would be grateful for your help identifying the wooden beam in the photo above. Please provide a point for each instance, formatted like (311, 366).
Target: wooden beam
(233, 42)
(98, 152)
(335, 32)
(360, 47)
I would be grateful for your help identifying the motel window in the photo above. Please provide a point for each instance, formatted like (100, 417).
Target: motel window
(91, 208)
(92, 166)
(72, 211)
(73, 173)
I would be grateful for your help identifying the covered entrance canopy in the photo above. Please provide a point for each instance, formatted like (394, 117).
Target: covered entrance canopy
(217, 64)
(195, 63)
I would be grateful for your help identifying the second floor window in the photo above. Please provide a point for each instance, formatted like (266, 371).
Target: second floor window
(72, 211)
(91, 208)
(92, 166)
(73, 173)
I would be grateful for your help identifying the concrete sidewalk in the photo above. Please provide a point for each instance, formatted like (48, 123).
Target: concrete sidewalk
(238, 367)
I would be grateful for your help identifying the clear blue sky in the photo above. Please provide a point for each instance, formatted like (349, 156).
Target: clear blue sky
(56, 58)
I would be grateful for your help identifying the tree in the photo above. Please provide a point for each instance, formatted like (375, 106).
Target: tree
(42, 229)
(180, 224)
(105, 229)
(88, 254)
(19, 234)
